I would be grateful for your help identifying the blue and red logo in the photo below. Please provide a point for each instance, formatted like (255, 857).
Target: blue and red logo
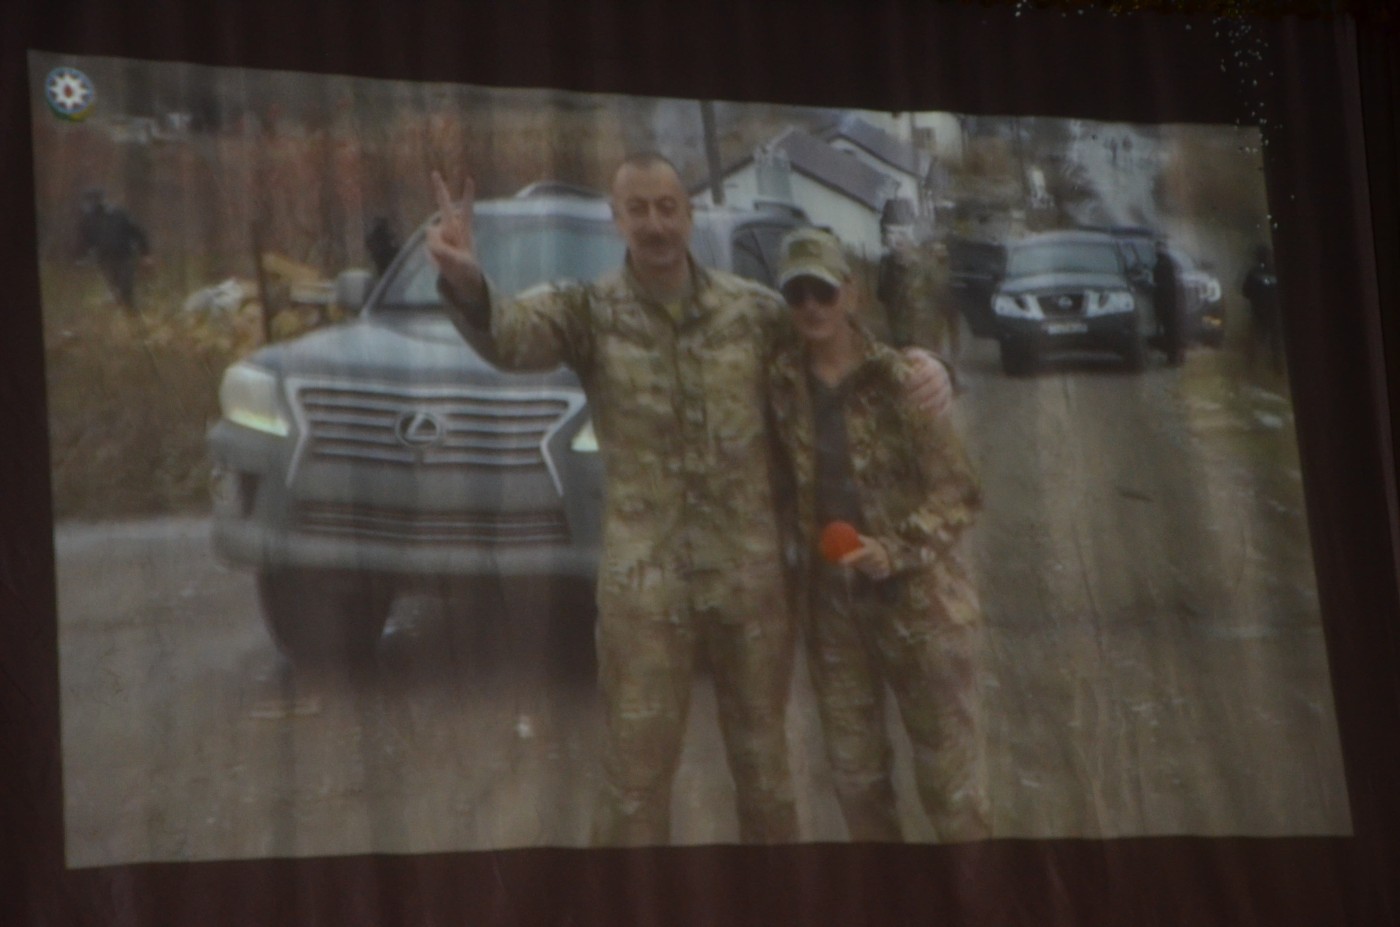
(70, 93)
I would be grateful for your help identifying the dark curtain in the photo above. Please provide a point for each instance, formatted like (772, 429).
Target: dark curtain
(1321, 89)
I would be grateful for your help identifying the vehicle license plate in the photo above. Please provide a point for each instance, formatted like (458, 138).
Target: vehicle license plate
(1065, 328)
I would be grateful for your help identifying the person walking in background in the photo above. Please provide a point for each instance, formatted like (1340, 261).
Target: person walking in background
(911, 286)
(110, 236)
(382, 244)
(1166, 302)
(893, 285)
(893, 606)
(1265, 323)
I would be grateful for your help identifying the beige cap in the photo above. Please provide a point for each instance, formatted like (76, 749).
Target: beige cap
(812, 252)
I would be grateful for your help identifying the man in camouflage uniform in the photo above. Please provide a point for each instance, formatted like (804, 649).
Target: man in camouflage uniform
(911, 285)
(897, 270)
(901, 610)
(1260, 288)
(671, 357)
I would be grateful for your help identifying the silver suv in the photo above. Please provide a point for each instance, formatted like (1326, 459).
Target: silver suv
(385, 454)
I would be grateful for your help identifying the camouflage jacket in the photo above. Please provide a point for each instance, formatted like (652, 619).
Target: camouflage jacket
(678, 407)
(916, 487)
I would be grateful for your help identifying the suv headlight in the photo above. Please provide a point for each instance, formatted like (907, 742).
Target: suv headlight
(248, 397)
(1009, 305)
(586, 441)
(1109, 302)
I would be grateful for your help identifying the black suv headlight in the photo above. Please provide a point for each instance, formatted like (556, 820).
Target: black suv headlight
(1108, 302)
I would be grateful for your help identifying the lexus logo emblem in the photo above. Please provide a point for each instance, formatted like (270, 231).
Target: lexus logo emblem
(419, 430)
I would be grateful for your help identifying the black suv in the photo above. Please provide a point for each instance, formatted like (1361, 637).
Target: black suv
(1070, 290)
(384, 454)
(1202, 304)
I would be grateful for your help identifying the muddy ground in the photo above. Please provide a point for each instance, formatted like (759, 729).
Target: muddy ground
(1155, 663)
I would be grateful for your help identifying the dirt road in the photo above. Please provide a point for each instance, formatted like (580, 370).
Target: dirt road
(1154, 664)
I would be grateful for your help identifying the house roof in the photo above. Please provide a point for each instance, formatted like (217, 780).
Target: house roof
(879, 143)
(831, 167)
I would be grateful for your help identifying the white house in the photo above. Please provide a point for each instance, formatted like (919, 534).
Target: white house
(933, 133)
(923, 177)
(835, 188)
(877, 148)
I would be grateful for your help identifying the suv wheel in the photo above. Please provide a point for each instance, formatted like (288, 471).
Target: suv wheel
(323, 617)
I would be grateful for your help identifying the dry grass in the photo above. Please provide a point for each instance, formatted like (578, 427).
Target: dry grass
(129, 396)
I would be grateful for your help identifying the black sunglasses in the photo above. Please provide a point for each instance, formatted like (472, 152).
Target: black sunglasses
(796, 292)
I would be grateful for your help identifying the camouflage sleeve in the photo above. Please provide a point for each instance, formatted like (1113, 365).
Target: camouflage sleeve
(537, 329)
(910, 351)
(774, 322)
(785, 505)
(952, 495)
(544, 326)
(777, 332)
(471, 317)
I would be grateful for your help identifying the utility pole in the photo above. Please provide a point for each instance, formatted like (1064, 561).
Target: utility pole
(1021, 160)
(716, 170)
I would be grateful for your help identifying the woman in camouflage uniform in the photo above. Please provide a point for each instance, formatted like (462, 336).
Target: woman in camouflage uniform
(900, 610)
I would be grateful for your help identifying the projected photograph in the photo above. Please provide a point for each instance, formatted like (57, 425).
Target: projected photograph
(446, 468)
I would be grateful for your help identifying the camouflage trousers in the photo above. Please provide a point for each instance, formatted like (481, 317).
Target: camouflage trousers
(863, 637)
(653, 624)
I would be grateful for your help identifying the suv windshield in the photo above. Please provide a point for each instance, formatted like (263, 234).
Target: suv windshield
(1063, 258)
(516, 252)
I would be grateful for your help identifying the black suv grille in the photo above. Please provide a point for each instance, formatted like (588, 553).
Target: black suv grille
(449, 429)
(1061, 304)
(465, 527)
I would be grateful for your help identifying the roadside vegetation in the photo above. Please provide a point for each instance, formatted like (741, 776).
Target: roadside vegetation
(131, 396)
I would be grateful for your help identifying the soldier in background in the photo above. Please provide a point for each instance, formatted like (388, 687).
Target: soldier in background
(672, 356)
(108, 235)
(911, 285)
(382, 244)
(1265, 325)
(899, 608)
(1166, 302)
(896, 275)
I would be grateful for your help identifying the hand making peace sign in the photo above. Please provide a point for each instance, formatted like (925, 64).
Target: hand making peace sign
(450, 240)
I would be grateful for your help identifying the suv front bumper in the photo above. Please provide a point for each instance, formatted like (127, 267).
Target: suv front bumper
(1102, 331)
(342, 519)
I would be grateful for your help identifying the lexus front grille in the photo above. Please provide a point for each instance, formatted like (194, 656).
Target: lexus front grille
(427, 429)
(454, 527)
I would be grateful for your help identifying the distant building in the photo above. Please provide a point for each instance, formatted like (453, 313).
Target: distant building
(938, 135)
(836, 188)
(886, 152)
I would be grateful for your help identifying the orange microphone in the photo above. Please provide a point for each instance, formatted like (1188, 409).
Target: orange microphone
(839, 538)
